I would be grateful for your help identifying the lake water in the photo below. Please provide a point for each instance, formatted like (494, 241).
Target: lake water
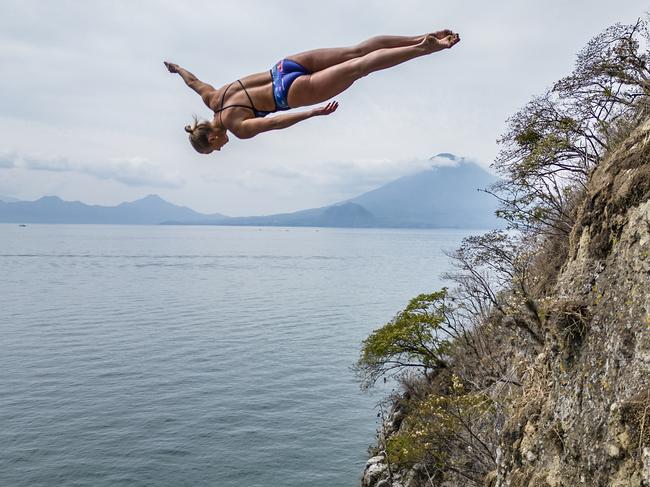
(196, 356)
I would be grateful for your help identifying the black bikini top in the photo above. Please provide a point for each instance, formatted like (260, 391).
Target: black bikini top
(256, 112)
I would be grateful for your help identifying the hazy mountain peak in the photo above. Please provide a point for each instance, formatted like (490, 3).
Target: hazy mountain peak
(347, 214)
(443, 196)
(151, 197)
(50, 199)
(150, 201)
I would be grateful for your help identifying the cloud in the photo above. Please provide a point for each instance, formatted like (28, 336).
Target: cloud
(7, 160)
(135, 171)
(359, 173)
(53, 164)
(446, 159)
(316, 182)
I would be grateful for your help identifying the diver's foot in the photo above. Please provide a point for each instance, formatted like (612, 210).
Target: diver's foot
(437, 41)
(441, 34)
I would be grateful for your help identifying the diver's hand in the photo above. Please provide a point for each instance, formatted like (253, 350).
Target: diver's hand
(171, 67)
(326, 110)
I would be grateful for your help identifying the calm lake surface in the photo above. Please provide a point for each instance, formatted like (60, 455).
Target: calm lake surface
(196, 356)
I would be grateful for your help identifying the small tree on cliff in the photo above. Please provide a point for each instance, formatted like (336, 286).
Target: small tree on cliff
(417, 337)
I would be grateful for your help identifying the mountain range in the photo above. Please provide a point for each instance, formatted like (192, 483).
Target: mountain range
(444, 196)
(151, 210)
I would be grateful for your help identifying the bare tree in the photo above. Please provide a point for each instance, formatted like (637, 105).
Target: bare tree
(554, 142)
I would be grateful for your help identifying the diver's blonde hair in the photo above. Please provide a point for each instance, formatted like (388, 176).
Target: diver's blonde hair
(199, 132)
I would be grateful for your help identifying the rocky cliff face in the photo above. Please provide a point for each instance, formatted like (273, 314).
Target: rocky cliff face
(581, 415)
(589, 422)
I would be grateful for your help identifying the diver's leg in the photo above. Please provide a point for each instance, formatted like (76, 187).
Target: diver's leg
(325, 84)
(319, 59)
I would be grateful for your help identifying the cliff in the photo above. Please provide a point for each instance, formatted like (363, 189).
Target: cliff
(533, 369)
(588, 420)
(575, 349)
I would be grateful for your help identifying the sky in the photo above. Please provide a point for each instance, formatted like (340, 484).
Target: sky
(88, 111)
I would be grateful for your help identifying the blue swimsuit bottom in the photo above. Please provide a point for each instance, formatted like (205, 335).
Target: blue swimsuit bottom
(284, 74)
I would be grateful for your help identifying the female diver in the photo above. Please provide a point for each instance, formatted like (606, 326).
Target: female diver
(304, 79)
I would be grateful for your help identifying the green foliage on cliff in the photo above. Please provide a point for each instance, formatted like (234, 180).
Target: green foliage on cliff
(436, 428)
(416, 337)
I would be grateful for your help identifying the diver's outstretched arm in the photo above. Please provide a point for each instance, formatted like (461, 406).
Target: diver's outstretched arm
(203, 89)
(253, 126)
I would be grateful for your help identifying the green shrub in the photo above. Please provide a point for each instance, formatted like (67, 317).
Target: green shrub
(416, 338)
(439, 427)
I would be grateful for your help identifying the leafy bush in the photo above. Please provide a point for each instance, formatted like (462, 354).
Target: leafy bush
(442, 426)
(417, 336)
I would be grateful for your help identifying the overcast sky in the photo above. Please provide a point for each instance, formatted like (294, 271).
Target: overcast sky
(88, 112)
